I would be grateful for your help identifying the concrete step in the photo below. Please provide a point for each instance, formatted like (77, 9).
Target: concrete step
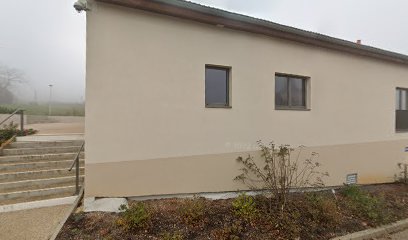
(39, 157)
(38, 174)
(21, 167)
(46, 150)
(38, 184)
(34, 169)
(50, 137)
(33, 199)
(6, 198)
(43, 144)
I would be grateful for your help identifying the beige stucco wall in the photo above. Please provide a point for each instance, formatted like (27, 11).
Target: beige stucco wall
(374, 163)
(146, 115)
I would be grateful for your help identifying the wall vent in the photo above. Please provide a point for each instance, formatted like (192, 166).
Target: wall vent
(351, 179)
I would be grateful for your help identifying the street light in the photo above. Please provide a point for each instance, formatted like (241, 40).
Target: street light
(49, 101)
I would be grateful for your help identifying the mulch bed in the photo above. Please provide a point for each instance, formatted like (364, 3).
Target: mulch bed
(309, 216)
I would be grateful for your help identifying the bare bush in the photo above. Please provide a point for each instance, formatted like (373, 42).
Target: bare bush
(280, 172)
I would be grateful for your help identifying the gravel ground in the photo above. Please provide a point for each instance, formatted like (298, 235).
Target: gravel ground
(397, 236)
(33, 224)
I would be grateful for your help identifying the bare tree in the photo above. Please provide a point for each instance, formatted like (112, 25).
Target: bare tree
(9, 78)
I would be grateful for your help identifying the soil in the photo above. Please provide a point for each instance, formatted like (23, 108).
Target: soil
(319, 215)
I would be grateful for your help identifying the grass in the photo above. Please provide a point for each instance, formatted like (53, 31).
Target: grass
(58, 109)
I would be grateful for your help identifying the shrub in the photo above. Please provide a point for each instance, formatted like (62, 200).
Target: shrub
(135, 217)
(279, 173)
(365, 205)
(9, 130)
(244, 206)
(192, 210)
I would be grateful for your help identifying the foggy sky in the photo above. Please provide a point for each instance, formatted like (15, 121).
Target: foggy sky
(46, 38)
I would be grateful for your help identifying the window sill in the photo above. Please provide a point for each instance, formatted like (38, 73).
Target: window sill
(292, 109)
(218, 106)
(401, 131)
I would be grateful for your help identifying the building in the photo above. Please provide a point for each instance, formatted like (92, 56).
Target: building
(176, 91)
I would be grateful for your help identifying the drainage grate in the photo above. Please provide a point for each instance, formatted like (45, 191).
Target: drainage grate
(351, 179)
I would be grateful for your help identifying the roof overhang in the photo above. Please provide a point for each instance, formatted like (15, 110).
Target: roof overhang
(217, 17)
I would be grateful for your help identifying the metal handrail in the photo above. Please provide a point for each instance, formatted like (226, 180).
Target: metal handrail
(10, 140)
(14, 113)
(76, 164)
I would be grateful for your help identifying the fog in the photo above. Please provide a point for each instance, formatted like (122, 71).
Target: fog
(46, 38)
(379, 23)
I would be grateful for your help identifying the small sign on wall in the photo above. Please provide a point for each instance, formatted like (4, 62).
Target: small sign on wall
(351, 179)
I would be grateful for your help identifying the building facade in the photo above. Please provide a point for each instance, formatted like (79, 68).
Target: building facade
(177, 91)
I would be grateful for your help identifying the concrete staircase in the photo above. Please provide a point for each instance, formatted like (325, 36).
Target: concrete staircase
(38, 170)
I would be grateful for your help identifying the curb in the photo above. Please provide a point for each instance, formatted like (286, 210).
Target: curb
(376, 232)
(37, 204)
(67, 215)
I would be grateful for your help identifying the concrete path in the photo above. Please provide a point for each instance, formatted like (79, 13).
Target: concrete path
(58, 128)
(397, 236)
(33, 224)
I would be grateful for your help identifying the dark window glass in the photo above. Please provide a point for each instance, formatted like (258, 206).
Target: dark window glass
(290, 92)
(397, 99)
(281, 91)
(402, 99)
(216, 86)
(297, 92)
(401, 112)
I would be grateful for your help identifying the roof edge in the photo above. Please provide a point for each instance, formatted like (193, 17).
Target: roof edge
(218, 17)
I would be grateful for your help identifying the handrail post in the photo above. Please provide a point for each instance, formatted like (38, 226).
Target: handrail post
(77, 175)
(22, 120)
(76, 164)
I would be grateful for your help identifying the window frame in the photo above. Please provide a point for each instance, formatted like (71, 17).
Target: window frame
(306, 92)
(400, 89)
(398, 105)
(228, 87)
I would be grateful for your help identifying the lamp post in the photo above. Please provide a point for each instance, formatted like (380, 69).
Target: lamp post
(50, 100)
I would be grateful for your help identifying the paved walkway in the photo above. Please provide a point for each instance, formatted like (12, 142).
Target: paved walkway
(58, 128)
(397, 236)
(33, 224)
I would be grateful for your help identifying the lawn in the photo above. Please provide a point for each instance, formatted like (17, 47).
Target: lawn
(58, 109)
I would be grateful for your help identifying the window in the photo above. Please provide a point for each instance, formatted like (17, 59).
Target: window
(290, 92)
(401, 110)
(217, 86)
